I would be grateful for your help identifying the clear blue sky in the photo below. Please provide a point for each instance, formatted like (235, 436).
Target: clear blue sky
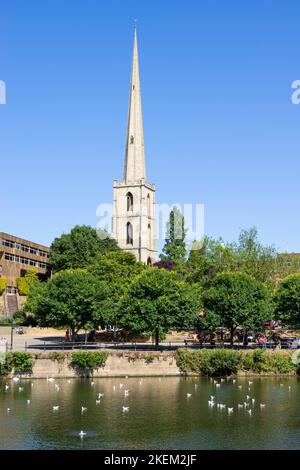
(220, 128)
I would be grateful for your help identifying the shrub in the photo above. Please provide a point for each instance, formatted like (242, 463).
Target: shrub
(88, 360)
(57, 356)
(188, 361)
(3, 283)
(149, 358)
(21, 318)
(219, 362)
(22, 362)
(228, 361)
(5, 365)
(277, 362)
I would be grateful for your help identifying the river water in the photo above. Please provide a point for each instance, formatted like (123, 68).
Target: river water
(160, 415)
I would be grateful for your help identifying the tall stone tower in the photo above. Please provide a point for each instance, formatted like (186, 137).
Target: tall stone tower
(133, 224)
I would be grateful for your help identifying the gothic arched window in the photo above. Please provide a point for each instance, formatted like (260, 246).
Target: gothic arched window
(129, 234)
(148, 205)
(149, 235)
(129, 201)
(131, 139)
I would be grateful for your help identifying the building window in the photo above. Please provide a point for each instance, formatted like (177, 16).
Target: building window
(131, 139)
(148, 205)
(149, 235)
(129, 236)
(129, 202)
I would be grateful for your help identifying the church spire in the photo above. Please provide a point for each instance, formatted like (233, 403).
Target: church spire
(135, 167)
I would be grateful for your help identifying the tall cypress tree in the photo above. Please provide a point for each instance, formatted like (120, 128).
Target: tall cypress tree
(175, 247)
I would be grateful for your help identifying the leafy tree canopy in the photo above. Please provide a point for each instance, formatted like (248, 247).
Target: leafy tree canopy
(157, 301)
(79, 248)
(238, 300)
(287, 300)
(73, 299)
(248, 256)
(24, 283)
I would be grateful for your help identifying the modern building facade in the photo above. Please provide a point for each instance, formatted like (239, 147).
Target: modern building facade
(134, 223)
(18, 255)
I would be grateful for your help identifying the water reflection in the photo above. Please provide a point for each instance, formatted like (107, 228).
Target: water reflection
(160, 414)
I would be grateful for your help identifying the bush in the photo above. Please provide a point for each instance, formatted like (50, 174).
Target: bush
(23, 319)
(219, 362)
(22, 362)
(3, 283)
(5, 365)
(225, 362)
(88, 360)
(272, 361)
(57, 356)
(209, 362)
(188, 361)
(149, 358)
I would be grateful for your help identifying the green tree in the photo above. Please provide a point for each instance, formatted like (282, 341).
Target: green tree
(287, 301)
(238, 300)
(79, 248)
(24, 283)
(254, 258)
(117, 269)
(175, 248)
(73, 299)
(209, 258)
(157, 301)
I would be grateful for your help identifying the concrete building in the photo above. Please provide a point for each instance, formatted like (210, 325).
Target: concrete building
(134, 224)
(18, 255)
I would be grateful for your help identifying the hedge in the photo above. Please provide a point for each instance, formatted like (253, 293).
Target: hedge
(227, 361)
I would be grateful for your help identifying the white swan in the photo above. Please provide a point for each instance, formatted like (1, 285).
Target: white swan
(125, 408)
(262, 405)
(188, 395)
(55, 408)
(83, 408)
(230, 410)
(28, 402)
